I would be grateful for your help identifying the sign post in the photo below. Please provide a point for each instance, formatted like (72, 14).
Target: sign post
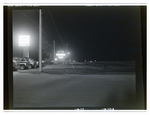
(24, 41)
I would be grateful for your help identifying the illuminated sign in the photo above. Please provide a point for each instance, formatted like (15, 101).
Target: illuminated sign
(61, 57)
(60, 54)
(24, 40)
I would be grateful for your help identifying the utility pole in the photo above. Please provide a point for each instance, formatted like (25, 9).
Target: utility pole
(25, 51)
(54, 49)
(67, 48)
(40, 40)
(67, 53)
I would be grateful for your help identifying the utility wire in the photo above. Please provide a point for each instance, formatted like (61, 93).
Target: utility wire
(65, 37)
(29, 18)
(56, 28)
(33, 22)
(42, 27)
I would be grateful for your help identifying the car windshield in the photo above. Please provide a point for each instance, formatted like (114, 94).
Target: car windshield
(16, 59)
(31, 59)
(22, 59)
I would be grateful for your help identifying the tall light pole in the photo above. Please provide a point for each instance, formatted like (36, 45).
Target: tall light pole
(54, 49)
(67, 53)
(40, 40)
(67, 48)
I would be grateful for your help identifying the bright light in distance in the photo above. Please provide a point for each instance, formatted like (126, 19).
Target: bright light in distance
(60, 54)
(24, 40)
(68, 52)
(56, 59)
(61, 57)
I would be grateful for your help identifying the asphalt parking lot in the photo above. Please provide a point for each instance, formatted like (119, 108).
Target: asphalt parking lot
(77, 91)
(79, 85)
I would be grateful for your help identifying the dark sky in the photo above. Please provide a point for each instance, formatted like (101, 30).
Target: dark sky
(102, 33)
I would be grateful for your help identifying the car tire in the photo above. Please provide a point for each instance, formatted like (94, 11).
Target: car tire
(30, 66)
(22, 67)
(35, 66)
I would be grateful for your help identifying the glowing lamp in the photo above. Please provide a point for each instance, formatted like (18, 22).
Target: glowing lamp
(60, 57)
(60, 54)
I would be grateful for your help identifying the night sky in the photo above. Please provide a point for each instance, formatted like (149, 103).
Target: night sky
(102, 33)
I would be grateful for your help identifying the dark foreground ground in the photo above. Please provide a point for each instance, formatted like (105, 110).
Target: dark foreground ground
(77, 91)
(90, 87)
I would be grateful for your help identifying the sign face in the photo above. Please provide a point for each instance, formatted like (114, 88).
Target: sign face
(24, 40)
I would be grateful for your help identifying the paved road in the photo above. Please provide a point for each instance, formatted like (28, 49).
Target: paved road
(45, 90)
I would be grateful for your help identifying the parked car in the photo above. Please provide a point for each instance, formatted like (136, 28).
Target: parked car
(33, 63)
(23, 63)
(16, 65)
(43, 63)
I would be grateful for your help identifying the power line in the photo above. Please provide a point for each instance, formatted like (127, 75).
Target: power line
(42, 27)
(65, 36)
(33, 21)
(29, 18)
(56, 28)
